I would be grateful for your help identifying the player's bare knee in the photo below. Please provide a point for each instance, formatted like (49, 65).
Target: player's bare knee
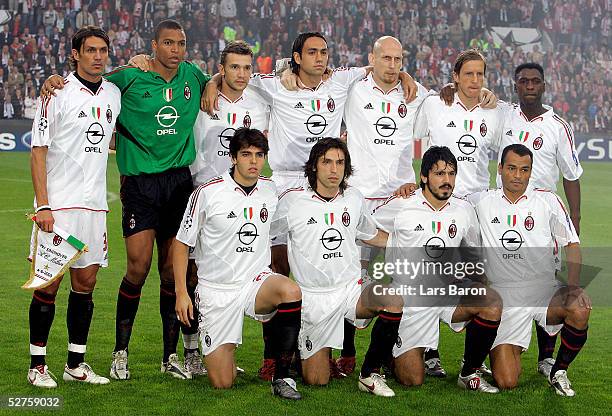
(84, 285)
(137, 270)
(222, 383)
(579, 315)
(291, 292)
(316, 379)
(52, 289)
(506, 382)
(409, 378)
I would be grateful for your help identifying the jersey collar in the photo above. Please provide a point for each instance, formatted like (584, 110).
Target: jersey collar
(523, 197)
(83, 88)
(425, 203)
(220, 94)
(314, 195)
(237, 188)
(458, 102)
(548, 113)
(375, 86)
(301, 86)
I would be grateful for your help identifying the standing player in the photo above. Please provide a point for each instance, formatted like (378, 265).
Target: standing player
(379, 125)
(228, 222)
(323, 223)
(522, 228)
(469, 131)
(70, 138)
(552, 142)
(453, 225)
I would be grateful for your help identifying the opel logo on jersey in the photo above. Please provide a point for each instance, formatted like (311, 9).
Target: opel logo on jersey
(316, 124)
(434, 247)
(331, 239)
(385, 127)
(225, 136)
(467, 144)
(167, 116)
(512, 240)
(95, 133)
(247, 233)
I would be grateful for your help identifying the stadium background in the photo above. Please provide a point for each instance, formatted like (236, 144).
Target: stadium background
(572, 44)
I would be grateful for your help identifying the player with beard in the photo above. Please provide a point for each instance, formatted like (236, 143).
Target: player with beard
(454, 227)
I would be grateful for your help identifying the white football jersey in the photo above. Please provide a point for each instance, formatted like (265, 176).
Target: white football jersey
(522, 239)
(298, 119)
(213, 133)
(229, 229)
(469, 134)
(322, 251)
(414, 222)
(380, 127)
(77, 125)
(551, 140)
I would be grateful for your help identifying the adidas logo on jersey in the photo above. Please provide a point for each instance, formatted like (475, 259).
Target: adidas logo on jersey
(509, 133)
(368, 107)
(147, 94)
(311, 221)
(214, 117)
(495, 221)
(418, 228)
(451, 124)
(82, 114)
(231, 215)
(299, 105)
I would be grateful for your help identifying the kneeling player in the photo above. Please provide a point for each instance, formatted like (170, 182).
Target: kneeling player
(523, 228)
(453, 225)
(322, 223)
(228, 220)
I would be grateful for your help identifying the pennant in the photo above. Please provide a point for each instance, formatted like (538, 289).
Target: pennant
(523, 136)
(248, 213)
(329, 218)
(436, 226)
(53, 255)
(315, 104)
(168, 94)
(95, 112)
(231, 118)
(468, 125)
(511, 220)
(385, 107)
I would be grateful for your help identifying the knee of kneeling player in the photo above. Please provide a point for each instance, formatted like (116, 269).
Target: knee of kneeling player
(316, 379)
(506, 381)
(222, 381)
(579, 315)
(409, 379)
(291, 292)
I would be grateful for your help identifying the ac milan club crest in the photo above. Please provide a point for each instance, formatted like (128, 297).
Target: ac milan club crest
(263, 214)
(452, 230)
(331, 105)
(109, 115)
(246, 121)
(529, 223)
(187, 92)
(537, 143)
(402, 110)
(207, 340)
(346, 219)
(398, 342)
(308, 344)
(483, 129)
(57, 240)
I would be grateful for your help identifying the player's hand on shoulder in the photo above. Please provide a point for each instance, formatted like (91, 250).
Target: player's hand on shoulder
(289, 80)
(409, 86)
(45, 220)
(141, 62)
(210, 103)
(54, 82)
(447, 93)
(406, 190)
(487, 99)
(183, 307)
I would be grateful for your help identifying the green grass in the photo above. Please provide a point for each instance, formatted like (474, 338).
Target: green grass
(153, 393)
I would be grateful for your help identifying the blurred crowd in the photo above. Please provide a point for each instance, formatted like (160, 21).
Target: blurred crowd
(35, 43)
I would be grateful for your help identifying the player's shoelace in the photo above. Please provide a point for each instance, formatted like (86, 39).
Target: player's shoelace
(45, 375)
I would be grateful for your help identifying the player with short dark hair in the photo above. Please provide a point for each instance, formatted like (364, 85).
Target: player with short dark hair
(521, 229)
(323, 222)
(70, 139)
(552, 142)
(228, 221)
(472, 306)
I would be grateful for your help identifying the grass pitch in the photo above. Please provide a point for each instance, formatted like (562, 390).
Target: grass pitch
(152, 393)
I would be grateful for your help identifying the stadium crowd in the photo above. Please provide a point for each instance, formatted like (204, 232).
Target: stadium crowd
(35, 42)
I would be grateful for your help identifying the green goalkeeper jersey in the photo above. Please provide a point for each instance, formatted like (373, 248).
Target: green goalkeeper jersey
(155, 126)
